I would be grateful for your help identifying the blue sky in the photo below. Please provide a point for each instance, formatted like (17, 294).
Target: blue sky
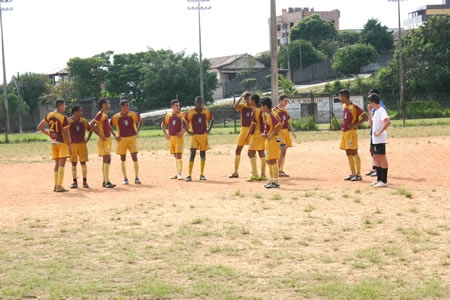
(42, 35)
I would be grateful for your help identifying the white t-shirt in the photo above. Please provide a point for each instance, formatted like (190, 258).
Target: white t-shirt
(377, 124)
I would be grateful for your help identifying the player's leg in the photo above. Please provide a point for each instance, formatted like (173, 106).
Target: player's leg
(191, 163)
(252, 156)
(60, 163)
(237, 160)
(202, 164)
(262, 157)
(134, 158)
(74, 175)
(106, 165)
(179, 163)
(123, 167)
(382, 164)
(283, 150)
(84, 174)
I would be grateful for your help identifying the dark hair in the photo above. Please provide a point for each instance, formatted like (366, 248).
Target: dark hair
(255, 98)
(174, 101)
(282, 96)
(123, 102)
(101, 102)
(58, 103)
(374, 91)
(75, 109)
(374, 98)
(344, 92)
(198, 98)
(267, 102)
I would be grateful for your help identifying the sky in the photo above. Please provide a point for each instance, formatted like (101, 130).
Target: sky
(42, 35)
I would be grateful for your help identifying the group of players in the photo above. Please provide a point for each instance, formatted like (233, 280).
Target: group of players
(264, 129)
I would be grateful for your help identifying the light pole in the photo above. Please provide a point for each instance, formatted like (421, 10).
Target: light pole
(5, 87)
(199, 8)
(285, 42)
(273, 51)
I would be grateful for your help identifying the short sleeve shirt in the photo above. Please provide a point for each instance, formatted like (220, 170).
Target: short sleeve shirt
(246, 114)
(350, 114)
(102, 121)
(271, 121)
(198, 121)
(284, 116)
(78, 129)
(257, 120)
(126, 124)
(378, 118)
(174, 122)
(57, 122)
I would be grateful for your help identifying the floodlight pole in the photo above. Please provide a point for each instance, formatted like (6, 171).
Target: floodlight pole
(5, 86)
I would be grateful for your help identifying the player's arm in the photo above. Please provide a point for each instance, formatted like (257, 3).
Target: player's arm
(163, 127)
(386, 124)
(291, 129)
(210, 124)
(186, 126)
(369, 113)
(112, 124)
(41, 127)
(94, 126)
(251, 129)
(67, 138)
(236, 105)
(140, 121)
(183, 128)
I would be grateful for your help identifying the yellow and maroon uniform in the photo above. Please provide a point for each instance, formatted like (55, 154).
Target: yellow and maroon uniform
(102, 121)
(57, 122)
(257, 138)
(126, 130)
(350, 115)
(272, 146)
(175, 124)
(246, 121)
(285, 138)
(77, 131)
(198, 124)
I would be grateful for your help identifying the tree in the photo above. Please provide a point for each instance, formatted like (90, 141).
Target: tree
(348, 37)
(248, 84)
(377, 35)
(349, 60)
(314, 29)
(265, 58)
(309, 54)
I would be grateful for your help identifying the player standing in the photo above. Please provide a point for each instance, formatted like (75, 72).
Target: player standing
(58, 131)
(199, 122)
(128, 124)
(78, 127)
(352, 117)
(175, 123)
(285, 138)
(272, 125)
(100, 125)
(245, 109)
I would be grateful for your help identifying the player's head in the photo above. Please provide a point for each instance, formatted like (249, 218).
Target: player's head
(103, 103)
(255, 99)
(266, 104)
(374, 91)
(283, 99)
(198, 102)
(374, 98)
(60, 105)
(77, 110)
(175, 105)
(344, 95)
(124, 105)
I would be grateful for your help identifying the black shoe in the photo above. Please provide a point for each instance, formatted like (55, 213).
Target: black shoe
(137, 181)
(85, 185)
(188, 179)
(356, 178)
(272, 185)
(202, 177)
(74, 185)
(109, 185)
(350, 177)
(268, 184)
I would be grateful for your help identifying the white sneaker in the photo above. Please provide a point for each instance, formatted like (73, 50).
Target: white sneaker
(374, 183)
(180, 177)
(381, 184)
(174, 176)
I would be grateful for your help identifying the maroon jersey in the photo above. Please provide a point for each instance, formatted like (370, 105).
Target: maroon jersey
(246, 114)
(78, 129)
(175, 123)
(101, 119)
(56, 123)
(284, 116)
(198, 121)
(126, 124)
(350, 115)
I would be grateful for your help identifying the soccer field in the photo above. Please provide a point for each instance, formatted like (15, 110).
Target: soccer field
(317, 236)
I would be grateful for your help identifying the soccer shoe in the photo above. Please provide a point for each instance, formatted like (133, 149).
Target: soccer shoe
(85, 185)
(262, 178)
(180, 177)
(371, 172)
(253, 178)
(268, 184)
(109, 185)
(373, 183)
(374, 174)
(188, 179)
(202, 177)
(137, 181)
(74, 185)
(282, 174)
(60, 189)
(174, 176)
(356, 178)
(350, 177)
(380, 184)
(234, 175)
(125, 181)
(272, 185)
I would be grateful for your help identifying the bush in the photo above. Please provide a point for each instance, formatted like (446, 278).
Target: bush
(307, 124)
(335, 123)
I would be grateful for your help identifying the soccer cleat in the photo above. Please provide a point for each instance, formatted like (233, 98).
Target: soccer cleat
(380, 184)
(374, 174)
(74, 185)
(253, 178)
(282, 174)
(125, 181)
(60, 189)
(188, 179)
(234, 175)
(180, 177)
(174, 176)
(371, 172)
(262, 178)
(137, 181)
(356, 178)
(202, 177)
(272, 185)
(85, 185)
(109, 185)
(350, 177)
(373, 183)
(268, 184)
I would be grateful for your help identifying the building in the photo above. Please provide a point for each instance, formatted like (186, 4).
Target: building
(291, 16)
(422, 14)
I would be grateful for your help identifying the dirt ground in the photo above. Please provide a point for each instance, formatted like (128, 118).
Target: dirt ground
(414, 164)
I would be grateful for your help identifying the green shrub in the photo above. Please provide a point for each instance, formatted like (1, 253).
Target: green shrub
(305, 124)
(335, 123)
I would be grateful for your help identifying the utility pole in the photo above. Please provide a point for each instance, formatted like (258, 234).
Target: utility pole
(274, 51)
(5, 86)
(199, 8)
(285, 42)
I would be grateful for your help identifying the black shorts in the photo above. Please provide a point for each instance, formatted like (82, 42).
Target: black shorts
(379, 149)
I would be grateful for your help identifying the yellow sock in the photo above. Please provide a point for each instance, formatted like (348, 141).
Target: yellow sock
(202, 166)
(191, 165)
(276, 170)
(84, 171)
(74, 172)
(237, 160)
(253, 163)
(179, 166)
(282, 163)
(106, 170)
(103, 172)
(60, 175)
(357, 160)
(271, 172)
(55, 177)
(123, 166)
(351, 163)
(263, 166)
(136, 169)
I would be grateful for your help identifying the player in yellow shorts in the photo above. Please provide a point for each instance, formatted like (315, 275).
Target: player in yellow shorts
(78, 127)
(285, 138)
(352, 117)
(245, 109)
(257, 141)
(272, 125)
(199, 122)
(100, 125)
(175, 123)
(58, 131)
(128, 123)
